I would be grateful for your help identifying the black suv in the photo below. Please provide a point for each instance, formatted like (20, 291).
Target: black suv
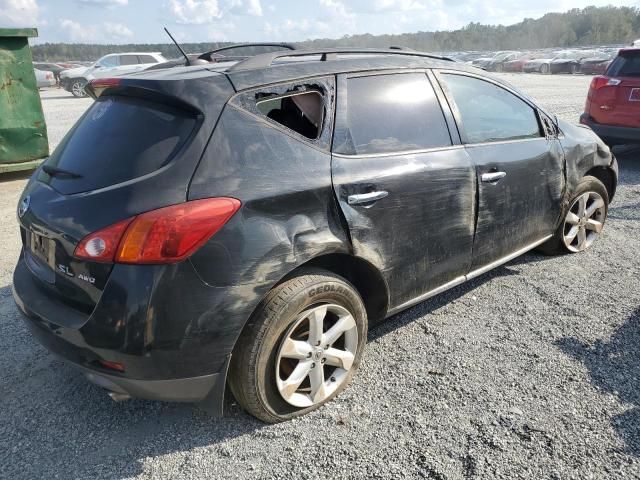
(243, 223)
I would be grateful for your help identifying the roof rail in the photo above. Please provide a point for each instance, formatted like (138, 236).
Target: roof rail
(284, 46)
(266, 59)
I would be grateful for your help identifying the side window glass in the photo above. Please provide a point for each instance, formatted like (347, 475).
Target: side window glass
(490, 113)
(301, 112)
(146, 59)
(393, 113)
(109, 62)
(128, 59)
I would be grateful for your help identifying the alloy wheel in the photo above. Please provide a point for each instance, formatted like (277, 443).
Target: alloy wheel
(316, 355)
(78, 89)
(584, 221)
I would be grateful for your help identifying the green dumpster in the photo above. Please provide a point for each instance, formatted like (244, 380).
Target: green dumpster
(23, 133)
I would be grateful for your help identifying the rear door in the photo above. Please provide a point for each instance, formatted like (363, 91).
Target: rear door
(519, 165)
(620, 104)
(405, 186)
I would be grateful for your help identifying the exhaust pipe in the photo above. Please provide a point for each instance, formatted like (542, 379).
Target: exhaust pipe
(119, 397)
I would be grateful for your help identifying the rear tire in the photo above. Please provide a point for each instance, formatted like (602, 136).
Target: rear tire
(582, 219)
(544, 69)
(285, 363)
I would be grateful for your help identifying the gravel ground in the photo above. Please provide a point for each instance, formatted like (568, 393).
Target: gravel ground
(531, 371)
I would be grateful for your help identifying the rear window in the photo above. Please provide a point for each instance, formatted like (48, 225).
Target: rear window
(627, 64)
(118, 139)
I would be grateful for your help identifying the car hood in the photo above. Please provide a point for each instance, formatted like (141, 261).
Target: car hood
(73, 72)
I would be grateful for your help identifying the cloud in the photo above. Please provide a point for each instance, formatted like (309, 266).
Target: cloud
(117, 31)
(19, 13)
(75, 31)
(195, 12)
(103, 3)
(104, 32)
(202, 12)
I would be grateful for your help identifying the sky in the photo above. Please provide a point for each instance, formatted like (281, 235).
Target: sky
(141, 21)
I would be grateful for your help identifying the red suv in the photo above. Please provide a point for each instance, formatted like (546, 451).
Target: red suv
(613, 104)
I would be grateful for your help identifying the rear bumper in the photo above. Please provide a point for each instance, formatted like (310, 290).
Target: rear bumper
(166, 357)
(612, 134)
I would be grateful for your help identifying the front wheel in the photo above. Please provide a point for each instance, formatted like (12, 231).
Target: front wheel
(77, 88)
(544, 69)
(583, 221)
(301, 347)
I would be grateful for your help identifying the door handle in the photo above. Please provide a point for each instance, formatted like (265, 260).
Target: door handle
(493, 176)
(361, 198)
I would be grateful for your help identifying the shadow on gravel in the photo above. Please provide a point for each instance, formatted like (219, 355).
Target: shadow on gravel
(48, 409)
(628, 157)
(614, 366)
(10, 177)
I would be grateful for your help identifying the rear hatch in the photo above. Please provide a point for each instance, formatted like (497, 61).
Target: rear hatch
(617, 101)
(134, 150)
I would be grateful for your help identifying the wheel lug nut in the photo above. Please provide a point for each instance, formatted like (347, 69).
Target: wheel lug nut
(313, 365)
(333, 379)
(323, 360)
(318, 344)
(326, 347)
(309, 355)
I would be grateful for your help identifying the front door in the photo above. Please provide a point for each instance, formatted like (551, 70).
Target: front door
(406, 191)
(519, 165)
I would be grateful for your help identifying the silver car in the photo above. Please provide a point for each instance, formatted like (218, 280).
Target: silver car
(75, 79)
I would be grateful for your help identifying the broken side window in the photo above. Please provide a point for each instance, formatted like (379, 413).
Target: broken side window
(302, 112)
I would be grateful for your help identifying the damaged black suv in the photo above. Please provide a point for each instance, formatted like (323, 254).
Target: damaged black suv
(243, 223)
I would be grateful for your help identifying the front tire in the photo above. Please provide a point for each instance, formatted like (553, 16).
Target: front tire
(77, 88)
(582, 221)
(545, 69)
(300, 348)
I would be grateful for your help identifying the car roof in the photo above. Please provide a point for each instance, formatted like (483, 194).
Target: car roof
(280, 67)
(277, 67)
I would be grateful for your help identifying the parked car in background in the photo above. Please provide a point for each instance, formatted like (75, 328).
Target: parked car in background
(517, 64)
(612, 109)
(567, 61)
(597, 64)
(497, 63)
(55, 68)
(45, 78)
(242, 223)
(490, 63)
(74, 80)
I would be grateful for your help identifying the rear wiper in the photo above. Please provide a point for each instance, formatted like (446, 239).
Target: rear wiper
(60, 172)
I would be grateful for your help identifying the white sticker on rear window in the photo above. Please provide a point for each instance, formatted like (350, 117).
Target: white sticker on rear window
(101, 109)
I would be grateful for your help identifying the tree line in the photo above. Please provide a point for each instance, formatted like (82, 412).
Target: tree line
(577, 27)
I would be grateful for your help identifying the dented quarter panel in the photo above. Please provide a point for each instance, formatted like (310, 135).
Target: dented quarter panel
(583, 150)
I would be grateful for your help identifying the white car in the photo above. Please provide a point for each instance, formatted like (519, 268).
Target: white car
(75, 79)
(45, 78)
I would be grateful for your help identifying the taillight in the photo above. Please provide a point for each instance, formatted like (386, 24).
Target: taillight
(603, 81)
(101, 246)
(167, 235)
(99, 85)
